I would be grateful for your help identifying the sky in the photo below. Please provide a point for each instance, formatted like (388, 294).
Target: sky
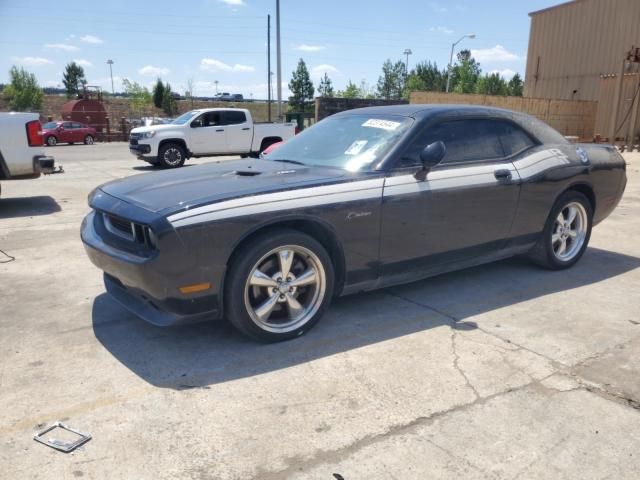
(204, 41)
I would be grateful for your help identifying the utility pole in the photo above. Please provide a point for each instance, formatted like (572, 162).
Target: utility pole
(216, 82)
(269, 66)
(278, 60)
(110, 63)
(407, 52)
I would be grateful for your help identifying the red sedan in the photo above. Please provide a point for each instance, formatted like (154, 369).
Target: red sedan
(68, 132)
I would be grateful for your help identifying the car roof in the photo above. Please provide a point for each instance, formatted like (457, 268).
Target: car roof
(425, 110)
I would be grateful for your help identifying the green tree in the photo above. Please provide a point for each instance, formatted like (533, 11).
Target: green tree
(391, 82)
(350, 91)
(366, 90)
(516, 85)
(301, 87)
(169, 104)
(325, 89)
(491, 84)
(465, 73)
(140, 96)
(433, 79)
(158, 93)
(73, 79)
(23, 92)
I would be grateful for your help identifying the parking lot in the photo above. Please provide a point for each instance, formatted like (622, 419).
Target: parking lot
(501, 371)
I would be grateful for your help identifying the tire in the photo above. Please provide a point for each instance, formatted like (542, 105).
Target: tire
(171, 155)
(272, 310)
(575, 210)
(52, 141)
(88, 140)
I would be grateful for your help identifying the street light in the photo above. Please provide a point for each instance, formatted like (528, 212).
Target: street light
(407, 52)
(468, 35)
(110, 63)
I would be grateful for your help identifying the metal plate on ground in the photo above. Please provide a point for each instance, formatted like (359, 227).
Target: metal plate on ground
(75, 439)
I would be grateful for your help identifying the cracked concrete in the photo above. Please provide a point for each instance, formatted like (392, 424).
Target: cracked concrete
(502, 371)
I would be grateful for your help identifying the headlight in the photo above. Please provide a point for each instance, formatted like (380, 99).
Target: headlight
(149, 134)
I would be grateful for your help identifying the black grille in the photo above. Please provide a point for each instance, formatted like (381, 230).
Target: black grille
(134, 137)
(122, 225)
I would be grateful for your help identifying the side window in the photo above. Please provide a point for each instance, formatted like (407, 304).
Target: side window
(466, 141)
(67, 126)
(212, 119)
(232, 117)
(76, 125)
(514, 140)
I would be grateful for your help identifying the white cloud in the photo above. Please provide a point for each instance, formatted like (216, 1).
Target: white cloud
(310, 48)
(91, 39)
(444, 30)
(61, 46)
(494, 54)
(83, 63)
(213, 65)
(32, 61)
(153, 71)
(507, 73)
(319, 70)
(234, 3)
(436, 7)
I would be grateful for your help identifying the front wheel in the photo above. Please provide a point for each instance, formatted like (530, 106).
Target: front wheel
(52, 141)
(88, 140)
(279, 286)
(566, 233)
(171, 155)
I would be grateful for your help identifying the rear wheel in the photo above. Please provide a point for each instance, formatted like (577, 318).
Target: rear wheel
(279, 286)
(52, 141)
(171, 155)
(88, 140)
(566, 233)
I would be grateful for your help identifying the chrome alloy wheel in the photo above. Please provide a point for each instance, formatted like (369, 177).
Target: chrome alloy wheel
(285, 289)
(569, 231)
(172, 156)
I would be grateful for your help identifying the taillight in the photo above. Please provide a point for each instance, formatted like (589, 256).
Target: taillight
(296, 131)
(34, 134)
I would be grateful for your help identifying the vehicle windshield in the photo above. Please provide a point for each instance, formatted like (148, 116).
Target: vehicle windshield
(185, 117)
(50, 125)
(352, 142)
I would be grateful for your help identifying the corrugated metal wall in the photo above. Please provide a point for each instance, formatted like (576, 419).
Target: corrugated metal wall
(573, 44)
(605, 105)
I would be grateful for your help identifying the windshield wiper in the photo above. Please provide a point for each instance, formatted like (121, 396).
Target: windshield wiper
(295, 162)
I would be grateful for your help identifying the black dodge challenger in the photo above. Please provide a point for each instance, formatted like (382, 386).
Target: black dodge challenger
(364, 199)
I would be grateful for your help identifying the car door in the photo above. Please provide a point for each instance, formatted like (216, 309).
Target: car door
(208, 134)
(463, 209)
(78, 132)
(65, 133)
(239, 131)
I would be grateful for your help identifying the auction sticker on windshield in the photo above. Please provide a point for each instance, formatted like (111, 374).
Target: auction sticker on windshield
(384, 124)
(356, 147)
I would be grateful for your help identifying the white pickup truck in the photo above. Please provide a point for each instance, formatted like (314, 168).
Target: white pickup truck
(22, 147)
(206, 132)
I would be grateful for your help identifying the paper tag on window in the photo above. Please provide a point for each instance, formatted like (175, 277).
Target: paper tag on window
(356, 147)
(383, 124)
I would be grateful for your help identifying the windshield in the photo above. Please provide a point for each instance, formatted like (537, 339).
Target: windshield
(185, 117)
(352, 142)
(49, 125)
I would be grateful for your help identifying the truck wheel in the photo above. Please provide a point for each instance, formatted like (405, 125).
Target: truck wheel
(279, 286)
(88, 140)
(171, 155)
(52, 141)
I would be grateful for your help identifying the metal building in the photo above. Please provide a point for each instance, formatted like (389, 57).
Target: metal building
(573, 44)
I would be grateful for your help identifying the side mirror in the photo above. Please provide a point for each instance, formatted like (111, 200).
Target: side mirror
(196, 123)
(430, 157)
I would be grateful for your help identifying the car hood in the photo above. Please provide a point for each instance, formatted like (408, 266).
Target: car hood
(172, 191)
(156, 128)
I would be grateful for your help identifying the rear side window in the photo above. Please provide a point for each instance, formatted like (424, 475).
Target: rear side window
(232, 117)
(514, 140)
(77, 125)
(468, 140)
(50, 125)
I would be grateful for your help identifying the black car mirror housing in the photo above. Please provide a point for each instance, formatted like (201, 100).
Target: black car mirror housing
(431, 156)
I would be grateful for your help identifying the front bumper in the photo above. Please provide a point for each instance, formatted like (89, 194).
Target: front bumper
(139, 149)
(142, 285)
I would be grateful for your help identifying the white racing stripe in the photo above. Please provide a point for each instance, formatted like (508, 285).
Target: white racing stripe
(461, 177)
